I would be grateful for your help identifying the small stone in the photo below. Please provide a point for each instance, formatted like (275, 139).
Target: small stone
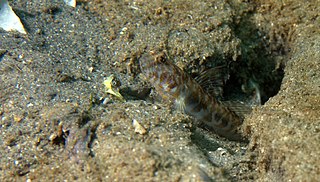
(138, 128)
(17, 118)
(155, 107)
(53, 136)
(91, 69)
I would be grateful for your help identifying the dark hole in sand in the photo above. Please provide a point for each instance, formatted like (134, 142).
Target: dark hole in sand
(259, 70)
(253, 85)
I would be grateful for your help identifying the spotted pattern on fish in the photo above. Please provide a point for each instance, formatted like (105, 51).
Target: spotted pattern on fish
(174, 84)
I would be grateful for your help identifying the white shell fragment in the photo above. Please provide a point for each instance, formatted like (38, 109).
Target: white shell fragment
(8, 19)
(138, 128)
(72, 3)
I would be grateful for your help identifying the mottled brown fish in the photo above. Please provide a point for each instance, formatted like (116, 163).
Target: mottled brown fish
(176, 85)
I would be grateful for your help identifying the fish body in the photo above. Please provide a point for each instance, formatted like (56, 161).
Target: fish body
(176, 85)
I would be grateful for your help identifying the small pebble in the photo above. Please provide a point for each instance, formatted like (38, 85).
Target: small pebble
(138, 128)
(17, 118)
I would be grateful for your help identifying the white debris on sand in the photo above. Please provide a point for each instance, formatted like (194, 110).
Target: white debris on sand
(72, 3)
(8, 19)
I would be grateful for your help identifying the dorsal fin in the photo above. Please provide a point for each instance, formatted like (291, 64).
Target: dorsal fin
(240, 108)
(213, 80)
